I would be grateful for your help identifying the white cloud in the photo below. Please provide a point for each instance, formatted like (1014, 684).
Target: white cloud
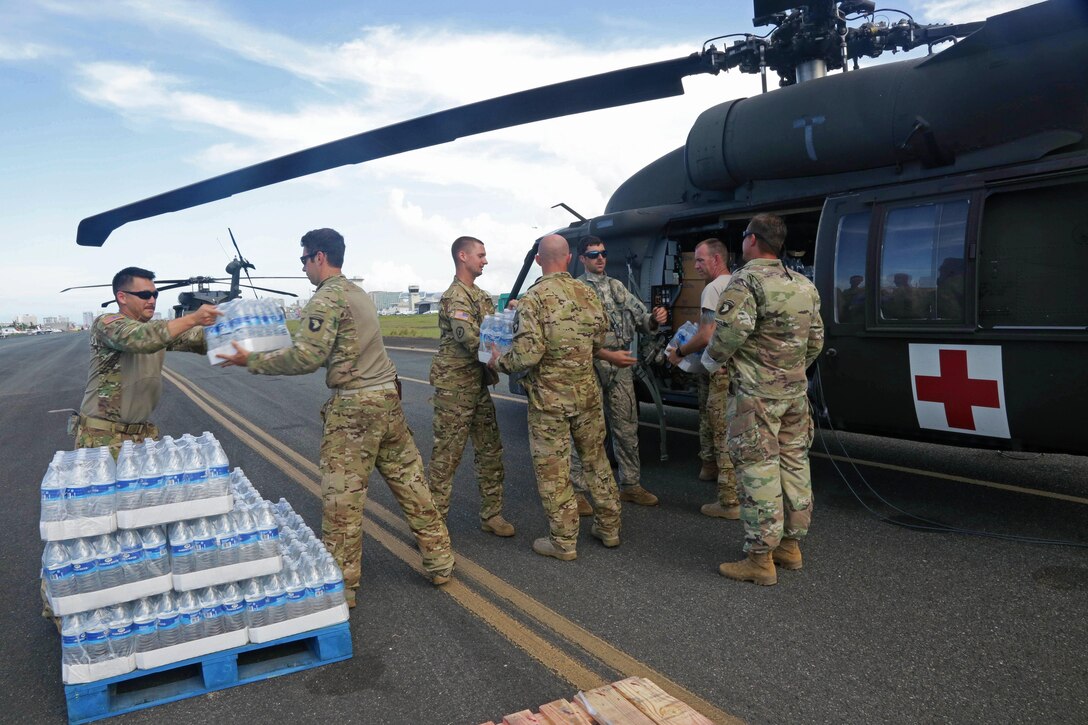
(11, 50)
(966, 11)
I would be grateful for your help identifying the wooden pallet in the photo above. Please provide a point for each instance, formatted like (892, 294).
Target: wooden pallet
(217, 671)
(634, 701)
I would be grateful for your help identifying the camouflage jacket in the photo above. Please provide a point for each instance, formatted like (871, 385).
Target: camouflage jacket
(559, 326)
(460, 314)
(769, 328)
(338, 330)
(625, 312)
(125, 380)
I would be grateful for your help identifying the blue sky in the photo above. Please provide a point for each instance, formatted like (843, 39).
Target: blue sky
(106, 103)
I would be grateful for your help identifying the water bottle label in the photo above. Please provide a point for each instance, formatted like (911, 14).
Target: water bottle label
(269, 534)
(212, 612)
(256, 605)
(95, 637)
(181, 549)
(172, 479)
(108, 563)
(296, 596)
(83, 567)
(128, 485)
(204, 544)
(247, 538)
(193, 478)
(152, 482)
(52, 495)
(71, 640)
(334, 587)
(228, 542)
(167, 622)
(218, 472)
(276, 600)
(155, 553)
(121, 632)
(188, 619)
(101, 489)
(144, 628)
(131, 558)
(60, 573)
(233, 607)
(71, 492)
(314, 592)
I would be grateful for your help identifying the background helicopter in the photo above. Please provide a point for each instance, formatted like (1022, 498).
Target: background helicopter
(909, 189)
(203, 294)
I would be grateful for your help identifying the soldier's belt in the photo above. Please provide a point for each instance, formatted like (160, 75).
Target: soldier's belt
(367, 389)
(109, 425)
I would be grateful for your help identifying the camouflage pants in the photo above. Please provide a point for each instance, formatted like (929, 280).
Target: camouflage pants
(362, 431)
(769, 440)
(621, 411)
(550, 437)
(457, 415)
(91, 438)
(713, 432)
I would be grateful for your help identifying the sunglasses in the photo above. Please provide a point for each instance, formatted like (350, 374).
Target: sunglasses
(746, 232)
(307, 257)
(594, 255)
(142, 294)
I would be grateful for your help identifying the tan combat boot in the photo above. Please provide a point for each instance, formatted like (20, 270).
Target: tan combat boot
(585, 508)
(638, 495)
(709, 471)
(757, 568)
(442, 578)
(498, 526)
(609, 540)
(716, 510)
(546, 547)
(788, 554)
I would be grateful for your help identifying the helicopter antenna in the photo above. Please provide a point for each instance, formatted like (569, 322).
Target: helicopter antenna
(578, 216)
(245, 263)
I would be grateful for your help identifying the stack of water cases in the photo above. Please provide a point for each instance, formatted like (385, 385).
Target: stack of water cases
(256, 325)
(146, 595)
(497, 330)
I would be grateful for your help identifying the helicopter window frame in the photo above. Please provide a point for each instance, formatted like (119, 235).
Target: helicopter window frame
(883, 212)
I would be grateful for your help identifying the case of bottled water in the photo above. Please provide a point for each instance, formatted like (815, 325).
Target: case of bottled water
(96, 645)
(256, 325)
(78, 495)
(497, 329)
(689, 363)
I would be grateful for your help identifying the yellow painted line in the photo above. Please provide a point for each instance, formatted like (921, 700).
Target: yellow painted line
(536, 647)
(871, 464)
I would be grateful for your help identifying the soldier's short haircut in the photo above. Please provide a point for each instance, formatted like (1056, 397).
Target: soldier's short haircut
(587, 242)
(124, 278)
(770, 232)
(462, 243)
(328, 241)
(716, 247)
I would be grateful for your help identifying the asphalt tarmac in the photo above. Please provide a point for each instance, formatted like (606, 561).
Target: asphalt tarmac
(883, 624)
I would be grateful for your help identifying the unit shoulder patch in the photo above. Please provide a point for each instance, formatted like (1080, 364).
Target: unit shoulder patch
(315, 323)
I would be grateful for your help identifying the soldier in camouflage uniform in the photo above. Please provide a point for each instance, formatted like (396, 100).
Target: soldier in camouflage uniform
(127, 352)
(625, 313)
(560, 328)
(769, 330)
(364, 424)
(462, 403)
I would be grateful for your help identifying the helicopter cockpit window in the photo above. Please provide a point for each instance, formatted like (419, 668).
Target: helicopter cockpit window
(851, 244)
(923, 262)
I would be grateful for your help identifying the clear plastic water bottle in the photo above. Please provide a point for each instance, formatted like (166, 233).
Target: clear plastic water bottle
(212, 611)
(127, 486)
(156, 552)
(226, 540)
(281, 323)
(315, 587)
(133, 560)
(234, 607)
(60, 580)
(122, 635)
(334, 582)
(172, 473)
(190, 618)
(182, 558)
(218, 466)
(268, 531)
(265, 316)
(84, 566)
(71, 641)
(167, 626)
(96, 636)
(487, 337)
(152, 483)
(295, 587)
(108, 561)
(255, 604)
(194, 472)
(212, 335)
(144, 624)
(205, 551)
(77, 486)
(52, 492)
(275, 597)
(249, 543)
(102, 488)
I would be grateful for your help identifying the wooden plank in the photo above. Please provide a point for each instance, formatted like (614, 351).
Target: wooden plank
(658, 705)
(608, 707)
(561, 712)
(525, 717)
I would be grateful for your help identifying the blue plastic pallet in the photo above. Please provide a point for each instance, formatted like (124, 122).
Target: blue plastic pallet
(141, 689)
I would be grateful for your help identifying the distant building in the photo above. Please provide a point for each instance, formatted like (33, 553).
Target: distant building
(88, 319)
(60, 323)
(384, 300)
(27, 319)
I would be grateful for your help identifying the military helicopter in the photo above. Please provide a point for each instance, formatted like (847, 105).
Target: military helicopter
(203, 294)
(935, 201)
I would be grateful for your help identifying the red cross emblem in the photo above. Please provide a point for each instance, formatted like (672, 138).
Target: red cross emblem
(956, 391)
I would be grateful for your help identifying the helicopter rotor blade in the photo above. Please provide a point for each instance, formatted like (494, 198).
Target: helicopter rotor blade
(86, 286)
(266, 289)
(605, 90)
(245, 262)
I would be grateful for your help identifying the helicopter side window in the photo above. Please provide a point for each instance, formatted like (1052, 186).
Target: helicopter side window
(923, 262)
(851, 244)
